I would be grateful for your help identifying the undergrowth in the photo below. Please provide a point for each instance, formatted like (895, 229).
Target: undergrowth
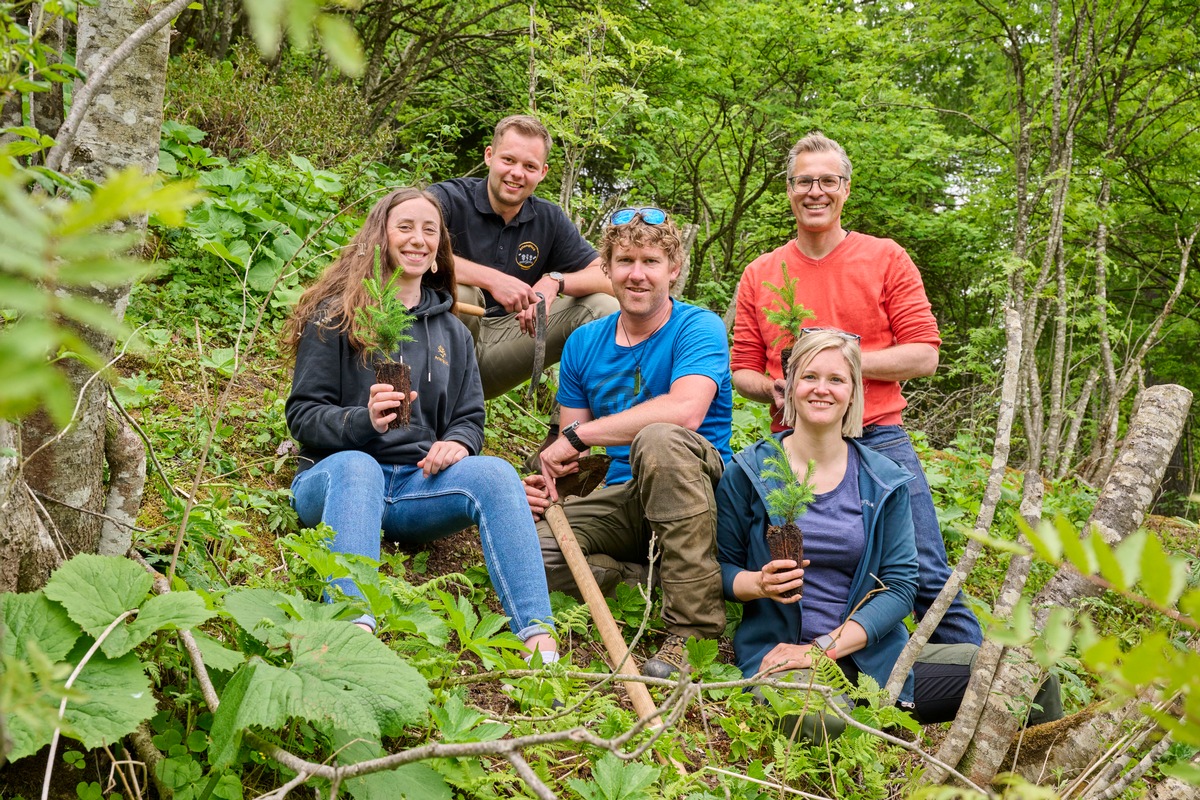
(289, 670)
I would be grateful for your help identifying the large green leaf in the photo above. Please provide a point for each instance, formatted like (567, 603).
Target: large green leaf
(613, 779)
(216, 655)
(118, 700)
(346, 656)
(409, 782)
(177, 610)
(33, 618)
(341, 677)
(95, 590)
(227, 727)
(258, 611)
(458, 723)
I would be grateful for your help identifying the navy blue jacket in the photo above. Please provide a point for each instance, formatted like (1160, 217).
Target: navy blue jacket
(890, 554)
(327, 409)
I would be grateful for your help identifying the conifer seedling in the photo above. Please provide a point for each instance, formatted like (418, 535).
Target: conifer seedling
(383, 326)
(787, 502)
(790, 316)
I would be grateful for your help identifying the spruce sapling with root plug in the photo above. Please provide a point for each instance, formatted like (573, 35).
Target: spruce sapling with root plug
(787, 503)
(790, 316)
(383, 326)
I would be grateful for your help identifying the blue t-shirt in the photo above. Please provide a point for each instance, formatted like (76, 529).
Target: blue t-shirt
(598, 374)
(833, 541)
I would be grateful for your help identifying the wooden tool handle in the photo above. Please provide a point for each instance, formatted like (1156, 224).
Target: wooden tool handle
(470, 309)
(610, 635)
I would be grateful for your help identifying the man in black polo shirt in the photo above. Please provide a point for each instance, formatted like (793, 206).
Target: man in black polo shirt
(509, 246)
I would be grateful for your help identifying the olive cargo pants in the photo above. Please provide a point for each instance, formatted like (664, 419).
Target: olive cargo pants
(670, 497)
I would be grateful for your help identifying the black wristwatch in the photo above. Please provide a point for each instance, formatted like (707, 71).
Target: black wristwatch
(573, 437)
(824, 642)
(558, 276)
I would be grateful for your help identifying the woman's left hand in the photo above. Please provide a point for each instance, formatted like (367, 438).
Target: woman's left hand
(440, 456)
(783, 657)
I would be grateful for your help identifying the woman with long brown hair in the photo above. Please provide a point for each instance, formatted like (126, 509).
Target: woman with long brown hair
(424, 480)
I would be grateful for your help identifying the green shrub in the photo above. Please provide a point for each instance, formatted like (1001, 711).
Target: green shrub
(248, 107)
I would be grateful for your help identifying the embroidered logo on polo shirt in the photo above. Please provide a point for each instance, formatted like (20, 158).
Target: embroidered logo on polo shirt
(527, 255)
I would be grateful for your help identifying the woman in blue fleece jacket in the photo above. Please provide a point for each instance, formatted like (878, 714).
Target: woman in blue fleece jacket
(859, 573)
(426, 480)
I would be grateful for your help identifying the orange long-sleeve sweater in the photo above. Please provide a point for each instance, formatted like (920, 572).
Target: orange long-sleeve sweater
(868, 286)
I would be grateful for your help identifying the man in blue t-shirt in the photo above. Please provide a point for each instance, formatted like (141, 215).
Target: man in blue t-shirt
(651, 384)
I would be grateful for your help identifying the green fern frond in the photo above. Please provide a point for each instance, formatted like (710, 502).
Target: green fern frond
(576, 619)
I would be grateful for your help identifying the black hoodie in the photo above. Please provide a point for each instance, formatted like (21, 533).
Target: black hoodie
(327, 409)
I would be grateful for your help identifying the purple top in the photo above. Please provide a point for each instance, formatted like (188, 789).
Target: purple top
(833, 542)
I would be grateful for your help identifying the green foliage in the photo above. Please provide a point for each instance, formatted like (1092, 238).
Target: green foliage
(69, 626)
(248, 107)
(264, 229)
(52, 252)
(789, 500)
(791, 314)
(751, 422)
(339, 677)
(613, 779)
(382, 324)
(1139, 569)
(301, 21)
(30, 63)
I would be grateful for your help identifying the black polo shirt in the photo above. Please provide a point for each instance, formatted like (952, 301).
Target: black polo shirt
(539, 239)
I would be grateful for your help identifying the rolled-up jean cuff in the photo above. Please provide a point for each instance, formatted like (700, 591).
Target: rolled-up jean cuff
(366, 619)
(536, 629)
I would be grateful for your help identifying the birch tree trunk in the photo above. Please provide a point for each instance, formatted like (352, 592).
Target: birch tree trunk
(27, 551)
(65, 469)
(1128, 493)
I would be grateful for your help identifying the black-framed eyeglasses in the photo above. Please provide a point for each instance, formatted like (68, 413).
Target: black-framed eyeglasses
(849, 337)
(649, 214)
(829, 183)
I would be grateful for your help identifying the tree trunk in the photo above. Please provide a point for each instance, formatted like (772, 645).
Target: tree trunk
(1128, 493)
(120, 128)
(126, 457)
(27, 551)
(47, 107)
(687, 233)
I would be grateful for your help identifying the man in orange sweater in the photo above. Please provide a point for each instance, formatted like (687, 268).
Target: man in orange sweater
(868, 287)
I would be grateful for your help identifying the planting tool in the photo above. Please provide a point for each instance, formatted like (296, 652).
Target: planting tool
(610, 635)
(539, 348)
(470, 309)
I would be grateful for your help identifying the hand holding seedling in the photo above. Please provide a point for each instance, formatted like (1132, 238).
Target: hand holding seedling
(382, 403)
(779, 577)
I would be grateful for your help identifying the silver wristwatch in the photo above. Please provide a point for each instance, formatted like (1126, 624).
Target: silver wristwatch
(562, 282)
(824, 642)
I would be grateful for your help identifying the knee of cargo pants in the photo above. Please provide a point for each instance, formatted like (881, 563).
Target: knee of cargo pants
(676, 470)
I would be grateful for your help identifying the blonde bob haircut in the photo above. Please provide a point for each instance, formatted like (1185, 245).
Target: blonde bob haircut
(812, 342)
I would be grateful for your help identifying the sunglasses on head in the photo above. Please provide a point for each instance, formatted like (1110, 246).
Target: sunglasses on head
(649, 214)
(850, 337)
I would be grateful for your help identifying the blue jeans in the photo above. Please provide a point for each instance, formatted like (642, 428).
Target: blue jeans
(959, 625)
(355, 495)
